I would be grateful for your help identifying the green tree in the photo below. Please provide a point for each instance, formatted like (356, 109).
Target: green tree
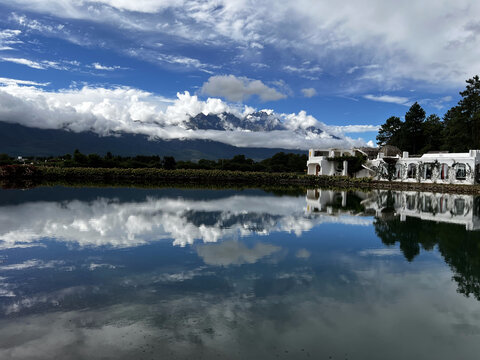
(79, 159)
(169, 162)
(462, 122)
(456, 134)
(412, 134)
(390, 132)
(432, 131)
(470, 109)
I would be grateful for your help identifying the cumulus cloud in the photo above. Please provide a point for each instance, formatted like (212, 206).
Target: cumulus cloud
(235, 88)
(309, 92)
(400, 100)
(114, 110)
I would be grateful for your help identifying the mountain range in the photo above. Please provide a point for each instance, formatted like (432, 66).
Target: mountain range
(19, 140)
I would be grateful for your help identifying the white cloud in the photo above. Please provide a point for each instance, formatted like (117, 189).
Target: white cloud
(239, 88)
(309, 92)
(365, 67)
(400, 100)
(184, 61)
(26, 62)
(98, 66)
(7, 81)
(42, 65)
(124, 109)
(9, 37)
(438, 103)
(348, 129)
(306, 71)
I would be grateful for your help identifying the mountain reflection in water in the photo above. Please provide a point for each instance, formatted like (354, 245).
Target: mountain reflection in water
(132, 273)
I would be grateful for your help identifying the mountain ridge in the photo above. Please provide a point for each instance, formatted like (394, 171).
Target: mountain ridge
(20, 140)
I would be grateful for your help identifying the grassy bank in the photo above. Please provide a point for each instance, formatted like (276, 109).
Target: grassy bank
(28, 176)
(159, 177)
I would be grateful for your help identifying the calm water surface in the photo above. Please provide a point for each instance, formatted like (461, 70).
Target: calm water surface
(169, 273)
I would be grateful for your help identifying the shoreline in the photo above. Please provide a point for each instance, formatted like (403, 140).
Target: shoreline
(25, 176)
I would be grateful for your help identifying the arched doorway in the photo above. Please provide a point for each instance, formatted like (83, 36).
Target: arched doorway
(317, 170)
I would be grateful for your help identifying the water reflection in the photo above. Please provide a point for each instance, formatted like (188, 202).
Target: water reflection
(92, 273)
(447, 208)
(118, 222)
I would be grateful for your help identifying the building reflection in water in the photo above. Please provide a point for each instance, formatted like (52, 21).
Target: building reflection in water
(447, 208)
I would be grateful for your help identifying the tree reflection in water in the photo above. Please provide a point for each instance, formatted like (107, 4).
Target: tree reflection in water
(459, 247)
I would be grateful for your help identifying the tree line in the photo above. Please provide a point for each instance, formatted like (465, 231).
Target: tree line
(280, 162)
(458, 131)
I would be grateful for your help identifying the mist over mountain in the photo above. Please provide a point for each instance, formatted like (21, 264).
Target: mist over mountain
(259, 121)
(120, 111)
(18, 140)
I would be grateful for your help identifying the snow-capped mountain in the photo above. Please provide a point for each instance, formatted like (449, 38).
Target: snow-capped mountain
(263, 120)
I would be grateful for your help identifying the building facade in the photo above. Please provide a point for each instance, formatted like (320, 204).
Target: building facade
(329, 162)
(440, 167)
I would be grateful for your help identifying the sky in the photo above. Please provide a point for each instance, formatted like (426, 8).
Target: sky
(122, 65)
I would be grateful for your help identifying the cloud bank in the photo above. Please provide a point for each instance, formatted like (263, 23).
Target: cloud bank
(122, 109)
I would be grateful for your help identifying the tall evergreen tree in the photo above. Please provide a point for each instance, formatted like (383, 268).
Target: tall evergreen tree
(470, 108)
(432, 131)
(456, 133)
(462, 122)
(412, 134)
(390, 132)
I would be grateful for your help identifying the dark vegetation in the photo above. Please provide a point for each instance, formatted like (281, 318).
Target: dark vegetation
(280, 162)
(458, 131)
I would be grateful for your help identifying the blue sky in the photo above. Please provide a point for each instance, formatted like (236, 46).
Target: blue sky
(343, 63)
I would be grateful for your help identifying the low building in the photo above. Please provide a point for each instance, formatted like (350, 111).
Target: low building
(331, 162)
(389, 164)
(439, 167)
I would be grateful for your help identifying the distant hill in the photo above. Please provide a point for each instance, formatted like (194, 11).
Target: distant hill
(18, 140)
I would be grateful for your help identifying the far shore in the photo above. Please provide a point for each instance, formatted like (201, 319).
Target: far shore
(23, 176)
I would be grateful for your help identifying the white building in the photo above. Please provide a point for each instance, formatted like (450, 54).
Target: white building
(328, 162)
(440, 167)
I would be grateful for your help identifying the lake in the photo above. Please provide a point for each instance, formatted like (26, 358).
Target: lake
(125, 273)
